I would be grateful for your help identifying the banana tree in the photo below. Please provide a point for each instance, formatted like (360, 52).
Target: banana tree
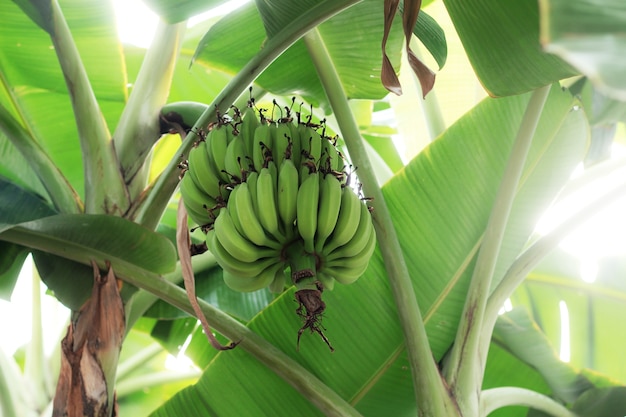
(94, 134)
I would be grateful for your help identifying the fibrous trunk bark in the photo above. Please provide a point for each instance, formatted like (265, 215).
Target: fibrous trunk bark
(90, 353)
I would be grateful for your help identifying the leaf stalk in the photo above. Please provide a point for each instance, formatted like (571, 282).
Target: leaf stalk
(463, 369)
(138, 128)
(60, 191)
(495, 398)
(432, 396)
(100, 160)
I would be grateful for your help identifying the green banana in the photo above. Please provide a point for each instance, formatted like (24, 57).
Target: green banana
(311, 143)
(355, 261)
(296, 146)
(327, 281)
(217, 140)
(235, 266)
(359, 240)
(330, 156)
(252, 178)
(345, 275)
(231, 206)
(328, 211)
(196, 201)
(266, 199)
(236, 162)
(231, 131)
(271, 166)
(306, 209)
(287, 194)
(353, 266)
(276, 196)
(282, 139)
(315, 145)
(340, 164)
(249, 123)
(280, 279)
(261, 146)
(236, 244)
(347, 221)
(253, 283)
(200, 168)
(183, 113)
(252, 228)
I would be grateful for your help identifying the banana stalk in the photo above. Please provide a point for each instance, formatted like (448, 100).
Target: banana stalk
(309, 295)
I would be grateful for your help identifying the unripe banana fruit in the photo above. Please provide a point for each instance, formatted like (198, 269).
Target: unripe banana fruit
(274, 197)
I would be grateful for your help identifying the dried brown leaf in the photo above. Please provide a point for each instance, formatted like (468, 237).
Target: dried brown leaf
(424, 74)
(183, 243)
(388, 75)
(410, 12)
(90, 353)
(389, 78)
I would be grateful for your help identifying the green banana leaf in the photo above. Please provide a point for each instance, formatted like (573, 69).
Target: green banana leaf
(432, 36)
(16, 205)
(105, 237)
(602, 402)
(517, 332)
(179, 10)
(70, 282)
(440, 204)
(501, 40)
(41, 103)
(597, 402)
(12, 258)
(141, 384)
(82, 238)
(211, 288)
(593, 344)
(604, 114)
(27, 60)
(589, 35)
(602, 109)
(357, 57)
(13, 167)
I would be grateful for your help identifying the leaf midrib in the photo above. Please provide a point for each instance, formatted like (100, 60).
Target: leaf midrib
(456, 276)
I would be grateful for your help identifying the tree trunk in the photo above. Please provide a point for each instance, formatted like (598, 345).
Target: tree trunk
(90, 353)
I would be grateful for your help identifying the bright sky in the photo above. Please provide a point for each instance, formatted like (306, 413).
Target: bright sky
(141, 35)
(15, 326)
(130, 31)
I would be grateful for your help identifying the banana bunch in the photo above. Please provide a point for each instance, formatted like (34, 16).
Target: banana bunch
(277, 206)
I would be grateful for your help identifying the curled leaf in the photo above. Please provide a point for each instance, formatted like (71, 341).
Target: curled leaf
(409, 17)
(183, 242)
(424, 74)
(388, 75)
